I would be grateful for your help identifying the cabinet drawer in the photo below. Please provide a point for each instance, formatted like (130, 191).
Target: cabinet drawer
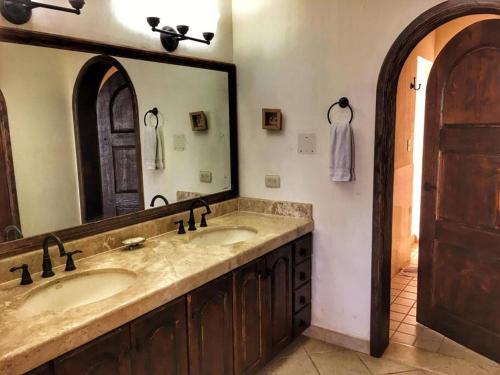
(302, 249)
(302, 320)
(302, 297)
(302, 274)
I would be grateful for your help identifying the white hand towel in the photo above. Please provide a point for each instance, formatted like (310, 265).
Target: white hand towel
(150, 147)
(342, 152)
(160, 151)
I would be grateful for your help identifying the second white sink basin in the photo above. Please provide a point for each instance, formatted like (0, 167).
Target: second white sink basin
(77, 290)
(223, 236)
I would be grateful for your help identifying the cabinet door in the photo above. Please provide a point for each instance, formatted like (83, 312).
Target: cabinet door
(250, 317)
(279, 269)
(210, 328)
(160, 341)
(108, 355)
(42, 370)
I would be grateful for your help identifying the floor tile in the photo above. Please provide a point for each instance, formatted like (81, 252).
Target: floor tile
(297, 347)
(408, 328)
(412, 289)
(395, 292)
(408, 295)
(403, 338)
(410, 320)
(379, 366)
(401, 280)
(404, 301)
(295, 365)
(400, 308)
(398, 286)
(393, 324)
(413, 312)
(312, 346)
(398, 317)
(413, 283)
(342, 362)
(428, 339)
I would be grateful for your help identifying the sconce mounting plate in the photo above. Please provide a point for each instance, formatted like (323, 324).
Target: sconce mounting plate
(16, 12)
(170, 43)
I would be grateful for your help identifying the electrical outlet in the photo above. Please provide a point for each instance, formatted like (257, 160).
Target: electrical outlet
(206, 176)
(273, 182)
(307, 143)
(179, 142)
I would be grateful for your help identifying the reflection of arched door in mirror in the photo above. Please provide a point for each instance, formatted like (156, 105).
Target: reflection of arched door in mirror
(108, 140)
(9, 211)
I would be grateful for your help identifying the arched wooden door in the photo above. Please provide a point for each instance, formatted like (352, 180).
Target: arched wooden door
(9, 212)
(118, 145)
(459, 269)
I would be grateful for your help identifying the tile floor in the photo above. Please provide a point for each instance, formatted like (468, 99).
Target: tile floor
(414, 349)
(306, 356)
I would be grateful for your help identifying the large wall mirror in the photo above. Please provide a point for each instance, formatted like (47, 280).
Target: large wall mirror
(94, 137)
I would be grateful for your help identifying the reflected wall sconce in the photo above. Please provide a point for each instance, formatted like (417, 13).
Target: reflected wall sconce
(19, 11)
(170, 38)
(414, 85)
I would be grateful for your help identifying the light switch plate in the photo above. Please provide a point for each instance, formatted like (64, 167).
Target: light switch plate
(206, 176)
(179, 142)
(307, 143)
(273, 181)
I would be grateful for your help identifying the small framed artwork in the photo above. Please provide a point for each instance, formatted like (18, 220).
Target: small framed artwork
(198, 121)
(271, 119)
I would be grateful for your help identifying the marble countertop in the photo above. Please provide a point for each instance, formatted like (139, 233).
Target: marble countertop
(168, 266)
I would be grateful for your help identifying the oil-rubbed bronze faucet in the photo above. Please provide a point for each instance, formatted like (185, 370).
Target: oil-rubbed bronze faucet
(160, 197)
(191, 222)
(12, 229)
(47, 263)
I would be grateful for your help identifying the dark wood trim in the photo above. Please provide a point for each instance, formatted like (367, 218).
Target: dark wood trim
(107, 62)
(20, 36)
(384, 153)
(7, 156)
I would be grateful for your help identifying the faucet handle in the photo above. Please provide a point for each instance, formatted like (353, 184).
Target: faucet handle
(70, 264)
(181, 227)
(25, 277)
(203, 222)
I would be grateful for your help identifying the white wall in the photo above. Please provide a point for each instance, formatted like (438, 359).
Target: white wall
(301, 56)
(123, 22)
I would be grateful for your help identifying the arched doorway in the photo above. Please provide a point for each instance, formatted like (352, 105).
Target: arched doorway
(384, 153)
(9, 212)
(107, 140)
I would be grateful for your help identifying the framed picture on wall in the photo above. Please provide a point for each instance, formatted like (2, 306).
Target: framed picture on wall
(271, 119)
(198, 121)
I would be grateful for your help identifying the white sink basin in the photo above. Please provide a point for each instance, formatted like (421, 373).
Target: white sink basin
(77, 290)
(223, 236)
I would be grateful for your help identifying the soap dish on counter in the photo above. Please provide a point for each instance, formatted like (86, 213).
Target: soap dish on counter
(134, 243)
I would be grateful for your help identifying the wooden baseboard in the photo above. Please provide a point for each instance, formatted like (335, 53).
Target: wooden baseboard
(339, 339)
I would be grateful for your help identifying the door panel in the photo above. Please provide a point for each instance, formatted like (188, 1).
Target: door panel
(160, 341)
(210, 328)
(119, 148)
(9, 212)
(459, 259)
(279, 268)
(250, 318)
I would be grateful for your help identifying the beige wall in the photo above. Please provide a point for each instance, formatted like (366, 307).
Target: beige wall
(123, 22)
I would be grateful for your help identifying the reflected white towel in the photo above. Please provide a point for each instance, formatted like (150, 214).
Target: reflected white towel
(160, 151)
(150, 147)
(342, 152)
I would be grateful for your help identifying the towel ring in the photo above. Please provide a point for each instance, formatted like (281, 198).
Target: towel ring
(154, 112)
(342, 103)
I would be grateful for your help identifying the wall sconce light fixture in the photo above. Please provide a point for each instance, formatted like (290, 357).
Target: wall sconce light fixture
(170, 38)
(19, 11)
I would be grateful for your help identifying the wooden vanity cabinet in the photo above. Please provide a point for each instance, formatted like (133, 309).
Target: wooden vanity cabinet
(210, 328)
(107, 355)
(159, 341)
(250, 317)
(279, 269)
(267, 302)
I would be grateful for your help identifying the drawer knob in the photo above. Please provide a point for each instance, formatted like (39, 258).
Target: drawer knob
(302, 300)
(303, 252)
(302, 276)
(302, 323)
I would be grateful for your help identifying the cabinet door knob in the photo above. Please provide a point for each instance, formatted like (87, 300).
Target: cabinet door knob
(302, 323)
(303, 252)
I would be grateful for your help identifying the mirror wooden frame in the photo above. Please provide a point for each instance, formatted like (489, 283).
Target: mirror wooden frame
(19, 36)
